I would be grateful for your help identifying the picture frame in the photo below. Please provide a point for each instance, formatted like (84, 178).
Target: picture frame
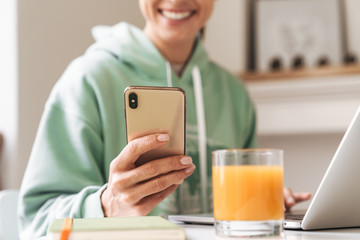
(297, 34)
(351, 27)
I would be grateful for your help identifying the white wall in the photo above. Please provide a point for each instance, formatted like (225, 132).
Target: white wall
(226, 35)
(8, 86)
(50, 34)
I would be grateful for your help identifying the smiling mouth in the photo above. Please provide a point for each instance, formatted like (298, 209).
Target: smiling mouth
(172, 15)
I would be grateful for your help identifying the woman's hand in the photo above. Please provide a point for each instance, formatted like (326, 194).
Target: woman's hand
(291, 198)
(135, 191)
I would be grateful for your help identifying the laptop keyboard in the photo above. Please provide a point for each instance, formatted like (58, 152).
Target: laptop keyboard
(294, 216)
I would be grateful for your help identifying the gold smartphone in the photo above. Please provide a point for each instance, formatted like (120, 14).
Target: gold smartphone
(151, 108)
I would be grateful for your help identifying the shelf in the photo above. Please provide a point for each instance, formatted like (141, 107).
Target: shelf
(321, 72)
(308, 102)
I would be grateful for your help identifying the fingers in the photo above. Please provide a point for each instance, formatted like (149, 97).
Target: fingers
(161, 166)
(153, 169)
(160, 183)
(135, 148)
(291, 198)
(288, 198)
(303, 196)
(156, 185)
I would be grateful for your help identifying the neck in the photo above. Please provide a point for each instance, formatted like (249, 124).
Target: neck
(174, 52)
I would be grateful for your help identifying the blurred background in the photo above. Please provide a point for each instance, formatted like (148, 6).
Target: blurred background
(302, 109)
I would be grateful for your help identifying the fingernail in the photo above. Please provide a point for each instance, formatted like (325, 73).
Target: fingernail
(186, 160)
(163, 137)
(190, 169)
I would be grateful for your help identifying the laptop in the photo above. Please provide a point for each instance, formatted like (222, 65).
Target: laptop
(336, 203)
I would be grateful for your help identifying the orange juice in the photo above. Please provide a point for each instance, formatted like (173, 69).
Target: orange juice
(248, 193)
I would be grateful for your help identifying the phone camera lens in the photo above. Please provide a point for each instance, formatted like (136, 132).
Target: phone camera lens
(133, 101)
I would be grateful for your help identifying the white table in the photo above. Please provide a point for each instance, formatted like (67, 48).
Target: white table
(203, 232)
(199, 232)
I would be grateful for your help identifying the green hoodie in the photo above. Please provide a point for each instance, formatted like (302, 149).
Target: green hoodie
(83, 127)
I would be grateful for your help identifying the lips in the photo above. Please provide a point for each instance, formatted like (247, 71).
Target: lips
(177, 15)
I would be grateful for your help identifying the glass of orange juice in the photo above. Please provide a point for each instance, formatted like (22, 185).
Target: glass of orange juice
(248, 192)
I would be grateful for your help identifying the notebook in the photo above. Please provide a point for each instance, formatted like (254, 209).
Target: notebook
(336, 203)
(201, 218)
(130, 228)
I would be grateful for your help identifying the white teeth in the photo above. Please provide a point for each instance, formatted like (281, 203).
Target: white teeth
(176, 15)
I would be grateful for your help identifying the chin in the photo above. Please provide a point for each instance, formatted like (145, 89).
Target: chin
(179, 37)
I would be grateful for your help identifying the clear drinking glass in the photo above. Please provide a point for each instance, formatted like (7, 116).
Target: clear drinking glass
(248, 192)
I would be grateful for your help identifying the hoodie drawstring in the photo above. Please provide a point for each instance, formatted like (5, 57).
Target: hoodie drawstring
(168, 74)
(201, 125)
(200, 115)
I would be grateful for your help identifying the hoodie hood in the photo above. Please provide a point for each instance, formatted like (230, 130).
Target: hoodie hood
(131, 46)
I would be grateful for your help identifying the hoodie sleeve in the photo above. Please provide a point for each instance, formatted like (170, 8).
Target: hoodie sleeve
(65, 175)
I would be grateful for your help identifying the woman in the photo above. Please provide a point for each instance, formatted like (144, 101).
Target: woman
(81, 164)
